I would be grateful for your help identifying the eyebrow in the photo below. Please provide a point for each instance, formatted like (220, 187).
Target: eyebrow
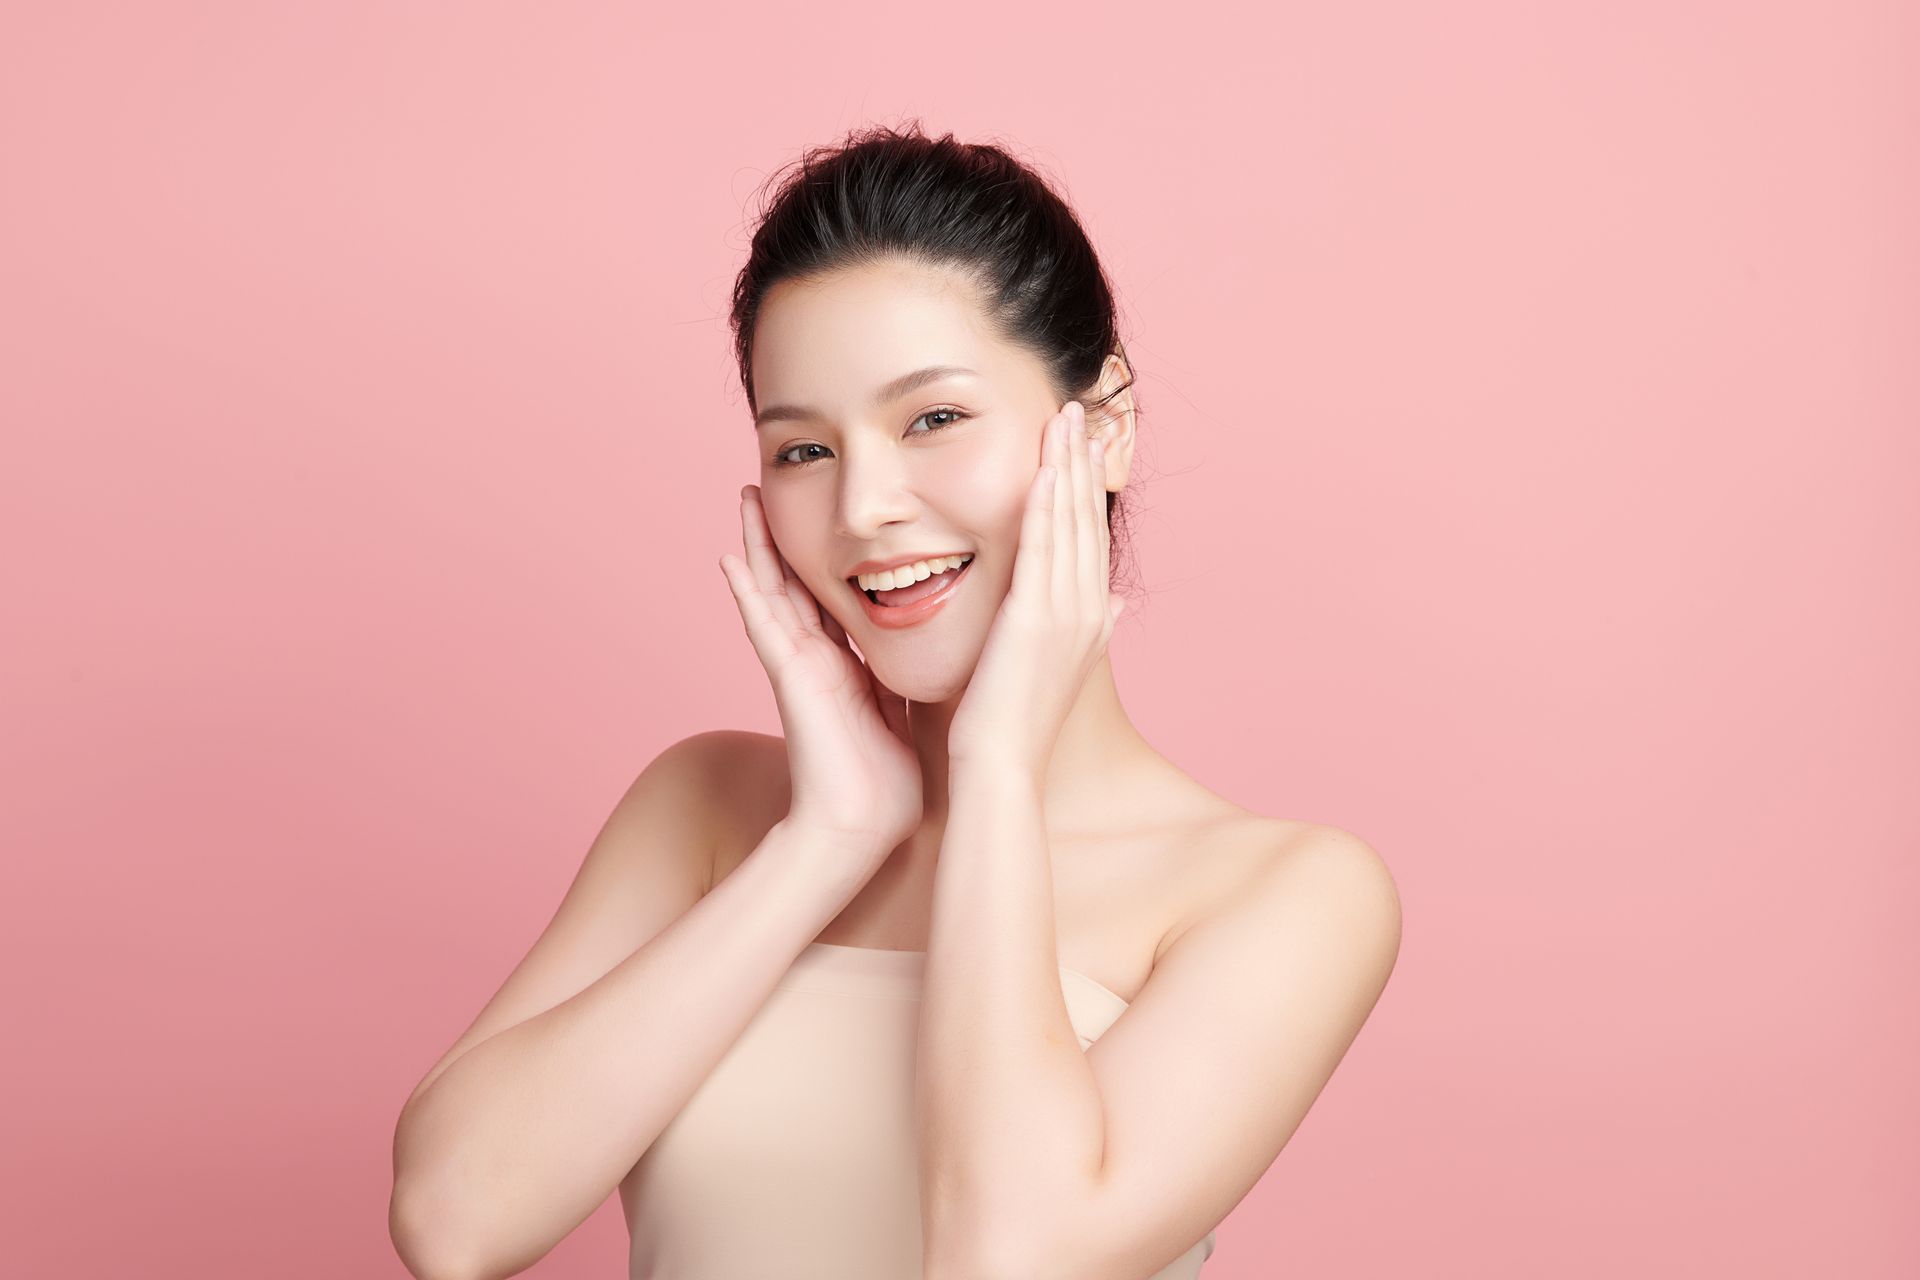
(900, 386)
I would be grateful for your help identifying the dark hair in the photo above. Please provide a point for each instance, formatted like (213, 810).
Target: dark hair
(884, 193)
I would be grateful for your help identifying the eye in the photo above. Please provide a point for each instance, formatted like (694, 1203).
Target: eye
(781, 459)
(954, 414)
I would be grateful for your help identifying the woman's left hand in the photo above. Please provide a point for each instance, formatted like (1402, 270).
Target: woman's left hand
(1056, 619)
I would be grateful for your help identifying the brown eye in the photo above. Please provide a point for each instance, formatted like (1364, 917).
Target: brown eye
(780, 459)
(953, 415)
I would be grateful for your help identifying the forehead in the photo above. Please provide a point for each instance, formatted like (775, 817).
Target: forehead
(830, 342)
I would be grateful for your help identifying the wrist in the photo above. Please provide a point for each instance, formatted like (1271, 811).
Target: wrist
(798, 833)
(997, 773)
(838, 863)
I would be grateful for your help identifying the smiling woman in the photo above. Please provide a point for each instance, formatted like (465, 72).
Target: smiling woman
(958, 976)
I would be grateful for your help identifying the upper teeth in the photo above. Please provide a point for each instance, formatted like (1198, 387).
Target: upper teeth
(900, 576)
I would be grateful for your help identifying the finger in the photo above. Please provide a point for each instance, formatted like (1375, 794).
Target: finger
(772, 641)
(805, 607)
(1065, 514)
(763, 559)
(1090, 592)
(1032, 561)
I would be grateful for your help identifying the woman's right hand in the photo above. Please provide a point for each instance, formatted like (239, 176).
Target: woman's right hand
(856, 776)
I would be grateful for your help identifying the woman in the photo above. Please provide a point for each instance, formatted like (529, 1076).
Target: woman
(959, 976)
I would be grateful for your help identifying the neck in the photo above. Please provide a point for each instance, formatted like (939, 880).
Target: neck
(1097, 742)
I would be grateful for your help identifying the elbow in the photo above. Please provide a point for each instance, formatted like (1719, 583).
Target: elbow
(423, 1268)
(423, 1218)
(425, 1261)
(429, 1253)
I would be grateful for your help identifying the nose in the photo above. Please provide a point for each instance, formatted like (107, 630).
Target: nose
(875, 491)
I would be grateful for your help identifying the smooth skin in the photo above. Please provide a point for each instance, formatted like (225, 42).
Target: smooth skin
(1036, 1158)
(1250, 948)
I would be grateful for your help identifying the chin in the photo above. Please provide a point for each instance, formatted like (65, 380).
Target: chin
(921, 685)
(923, 689)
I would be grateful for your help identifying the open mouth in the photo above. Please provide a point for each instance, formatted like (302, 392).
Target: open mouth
(931, 587)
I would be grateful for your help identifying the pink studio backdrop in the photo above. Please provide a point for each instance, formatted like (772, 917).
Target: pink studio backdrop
(1529, 405)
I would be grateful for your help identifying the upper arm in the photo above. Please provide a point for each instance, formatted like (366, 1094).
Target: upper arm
(1206, 1076)
(648, 865)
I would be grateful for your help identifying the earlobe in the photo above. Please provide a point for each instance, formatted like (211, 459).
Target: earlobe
(1119, 460)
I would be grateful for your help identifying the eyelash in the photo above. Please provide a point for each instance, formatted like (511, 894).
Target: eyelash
(958, 416)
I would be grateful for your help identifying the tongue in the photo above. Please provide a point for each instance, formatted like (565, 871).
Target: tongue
(916, 591)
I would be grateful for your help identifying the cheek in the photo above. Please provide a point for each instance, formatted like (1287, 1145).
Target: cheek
(992, 490)
(795, 528)
(990, 502)
(799, 524)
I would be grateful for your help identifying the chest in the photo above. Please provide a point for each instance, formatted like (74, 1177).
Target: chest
(1116, 898)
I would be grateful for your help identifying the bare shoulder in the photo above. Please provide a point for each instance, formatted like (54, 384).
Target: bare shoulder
(1251, 861)
(748, 788)
(1325, 875)
(1337, 861)
(650, 862)
(704, 779)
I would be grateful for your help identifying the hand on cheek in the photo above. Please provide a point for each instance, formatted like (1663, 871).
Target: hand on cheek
(1058, 614)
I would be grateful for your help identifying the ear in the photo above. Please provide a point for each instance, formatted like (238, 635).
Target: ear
(1113, 422)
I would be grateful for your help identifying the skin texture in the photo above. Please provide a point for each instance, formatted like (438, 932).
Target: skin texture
(1249, 949)
(1036, 1158)
(882, 484)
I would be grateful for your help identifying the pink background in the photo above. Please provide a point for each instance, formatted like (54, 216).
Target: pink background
(1529, 486)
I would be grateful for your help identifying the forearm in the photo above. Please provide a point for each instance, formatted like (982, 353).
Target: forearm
(525, 1134)
(1011, 1123)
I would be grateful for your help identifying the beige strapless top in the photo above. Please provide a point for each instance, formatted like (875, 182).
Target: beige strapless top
(796, 1158)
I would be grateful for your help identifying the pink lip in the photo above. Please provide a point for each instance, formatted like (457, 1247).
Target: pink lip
(920, 610)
